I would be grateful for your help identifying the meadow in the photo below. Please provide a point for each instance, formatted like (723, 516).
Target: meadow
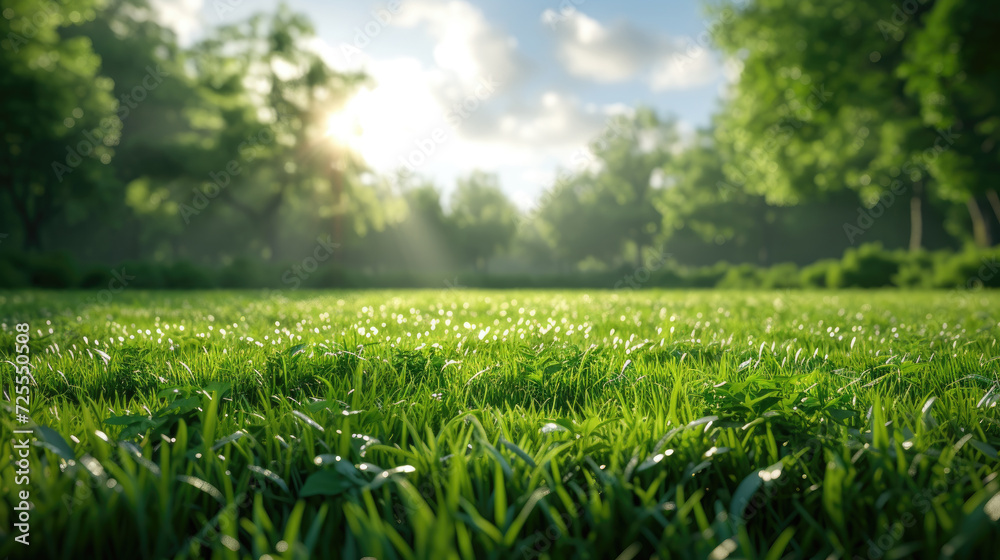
(506, 424)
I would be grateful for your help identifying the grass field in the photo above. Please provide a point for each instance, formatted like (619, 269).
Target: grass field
(478, 424)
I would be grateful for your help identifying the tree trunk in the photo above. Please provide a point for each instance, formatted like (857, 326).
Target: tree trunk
(916, 219)
(338, 188)
(991, 195)
(270, 234)
(21, 202)
(32, 235)
(763, 255)
(32, 226)
(265, 219)
(980, 232)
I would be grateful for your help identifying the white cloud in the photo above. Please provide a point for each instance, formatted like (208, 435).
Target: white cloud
(467, 46)
(554, 119)
(522, 136)
(621, 52)
(183, 16)
(523, 141)
(603, 54)
(685, 70)
(465, 92)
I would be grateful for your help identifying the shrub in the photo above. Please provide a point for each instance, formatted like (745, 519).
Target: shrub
(742, 276)
(184, 275)
(53, 270)
(703, 277)
(867, 266)
(969, 269)
(781, 276)
(12, 275)
(815, 274)
(96, 277)
(244, 272)
(916, 270)
(144, 275)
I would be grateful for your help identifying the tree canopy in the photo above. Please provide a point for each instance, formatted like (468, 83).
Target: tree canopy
(847, 123)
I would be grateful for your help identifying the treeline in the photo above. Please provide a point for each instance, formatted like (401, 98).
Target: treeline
(868, 266)
(850, 123)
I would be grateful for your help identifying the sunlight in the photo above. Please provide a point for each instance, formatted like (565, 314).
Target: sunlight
(364, 127)
(380, 124)
(343, 128)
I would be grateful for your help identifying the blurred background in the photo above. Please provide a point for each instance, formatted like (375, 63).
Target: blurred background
(243, 144)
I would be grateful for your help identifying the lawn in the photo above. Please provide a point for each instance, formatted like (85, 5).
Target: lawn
(506, 424)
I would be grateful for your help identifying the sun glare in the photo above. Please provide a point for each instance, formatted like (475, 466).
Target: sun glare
(344, 127)
(381, 124)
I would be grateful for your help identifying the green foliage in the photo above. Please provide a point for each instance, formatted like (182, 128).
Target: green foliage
(863, 96)
(611, 212)
(868, 266)
(53, 91)
(185, 275)
(483, 218)
(815, 275)
(243, 272)
(950, 68)
(741, 276)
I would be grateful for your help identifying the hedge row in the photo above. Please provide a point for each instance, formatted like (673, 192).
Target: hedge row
(868, 266)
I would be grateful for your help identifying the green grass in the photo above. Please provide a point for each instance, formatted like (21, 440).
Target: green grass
(525, 424)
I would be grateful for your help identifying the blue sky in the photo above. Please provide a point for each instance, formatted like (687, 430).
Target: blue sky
(537, 80)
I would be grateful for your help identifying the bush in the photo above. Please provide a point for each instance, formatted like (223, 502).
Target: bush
(53, 270)
(12, 275)
(915, 271)
(969, 269)
(96, 278)
(183, 275)
(244, 272)
(742, 276)
(868, 266)
(144, 275)
(815, 275)
(781, 276)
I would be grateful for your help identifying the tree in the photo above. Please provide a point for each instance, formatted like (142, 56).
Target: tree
(628, 163)
(578, 219)
(697, 195)
(951, 68)
(608, 207)
(292, 93)
(165, 123)
(59, 124)
(818, 106)
(482, 217)
(416, 237)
